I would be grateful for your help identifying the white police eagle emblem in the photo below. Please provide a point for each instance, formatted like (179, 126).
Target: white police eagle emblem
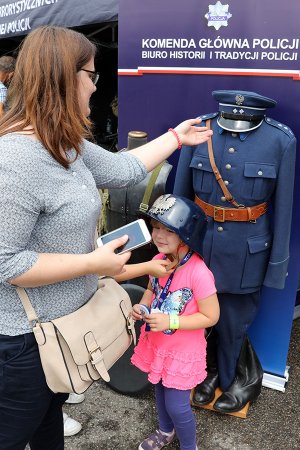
(218, 15)
(239, 99)
(162, 204)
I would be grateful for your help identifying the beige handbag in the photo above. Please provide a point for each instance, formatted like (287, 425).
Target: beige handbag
(79, 348)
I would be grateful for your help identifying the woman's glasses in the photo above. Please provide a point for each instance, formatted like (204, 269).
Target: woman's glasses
(94, 75)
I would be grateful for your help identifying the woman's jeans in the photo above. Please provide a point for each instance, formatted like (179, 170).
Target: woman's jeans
(29, 411)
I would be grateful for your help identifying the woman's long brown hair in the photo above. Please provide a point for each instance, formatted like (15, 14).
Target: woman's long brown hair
(44, 90)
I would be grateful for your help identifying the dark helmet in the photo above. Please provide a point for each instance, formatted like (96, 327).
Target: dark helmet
(182, 216)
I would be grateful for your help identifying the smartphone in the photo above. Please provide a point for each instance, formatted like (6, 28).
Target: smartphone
(138, 235)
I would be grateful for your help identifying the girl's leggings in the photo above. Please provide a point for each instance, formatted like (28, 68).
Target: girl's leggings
(174, 411)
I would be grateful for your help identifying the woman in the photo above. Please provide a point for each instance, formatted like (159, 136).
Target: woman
(49, 206)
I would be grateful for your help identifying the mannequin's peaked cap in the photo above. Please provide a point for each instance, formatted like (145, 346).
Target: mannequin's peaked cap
(241, 110)
(244, 98)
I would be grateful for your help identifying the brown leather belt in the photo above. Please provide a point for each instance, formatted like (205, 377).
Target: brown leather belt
(242, 214)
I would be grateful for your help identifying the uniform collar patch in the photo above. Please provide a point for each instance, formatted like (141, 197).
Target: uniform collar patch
(242, 135)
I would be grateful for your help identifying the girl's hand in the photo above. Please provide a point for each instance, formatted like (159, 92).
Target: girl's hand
(191, 135)
(136, 313)
(159, 268)
(158, 321)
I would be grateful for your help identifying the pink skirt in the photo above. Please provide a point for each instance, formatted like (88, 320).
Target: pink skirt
(178, 370)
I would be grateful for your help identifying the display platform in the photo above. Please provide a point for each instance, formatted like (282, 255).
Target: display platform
(241, 414)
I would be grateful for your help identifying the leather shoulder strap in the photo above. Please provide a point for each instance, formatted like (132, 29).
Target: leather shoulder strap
(30, 312)
(227, 194)
(147, 194)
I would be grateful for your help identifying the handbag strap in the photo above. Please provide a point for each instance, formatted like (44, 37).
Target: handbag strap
(30, 312)
(148, 191)
(229, 197)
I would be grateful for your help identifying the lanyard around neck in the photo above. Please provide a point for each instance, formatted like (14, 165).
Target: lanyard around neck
(165, 290)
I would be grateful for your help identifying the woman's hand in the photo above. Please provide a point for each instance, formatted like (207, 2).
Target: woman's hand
(53, 268)
(158, 150)
(104, 260)
(158, 321)
(189, 134)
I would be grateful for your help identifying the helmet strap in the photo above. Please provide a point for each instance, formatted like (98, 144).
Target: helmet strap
(175, 260)
(181, 245)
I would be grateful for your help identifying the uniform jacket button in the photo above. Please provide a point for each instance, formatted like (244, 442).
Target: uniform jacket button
(228, 166)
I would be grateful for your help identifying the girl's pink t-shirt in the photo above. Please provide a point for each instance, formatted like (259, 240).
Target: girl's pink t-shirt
(178, 359)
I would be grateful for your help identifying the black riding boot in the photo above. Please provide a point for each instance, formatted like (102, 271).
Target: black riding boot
(247, 383)
(205, 392)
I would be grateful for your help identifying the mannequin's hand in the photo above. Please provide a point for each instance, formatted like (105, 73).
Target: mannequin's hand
(158, 321)
(191, 135)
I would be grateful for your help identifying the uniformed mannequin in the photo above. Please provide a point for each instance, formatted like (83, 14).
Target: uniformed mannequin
(255, 156)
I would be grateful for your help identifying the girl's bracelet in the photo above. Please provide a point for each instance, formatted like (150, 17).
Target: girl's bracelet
(174, 322)
(177, 137)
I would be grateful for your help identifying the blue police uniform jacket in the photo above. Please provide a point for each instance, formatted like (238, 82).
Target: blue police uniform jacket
(257, 166)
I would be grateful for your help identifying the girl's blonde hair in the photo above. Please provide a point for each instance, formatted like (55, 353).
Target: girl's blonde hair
(44, 90)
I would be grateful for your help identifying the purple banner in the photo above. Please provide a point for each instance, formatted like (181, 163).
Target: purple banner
(173, 54)
(244, 40)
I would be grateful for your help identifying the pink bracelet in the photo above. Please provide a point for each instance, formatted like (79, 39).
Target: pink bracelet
(177, 137)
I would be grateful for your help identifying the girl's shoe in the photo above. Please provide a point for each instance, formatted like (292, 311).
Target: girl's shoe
(157, 440)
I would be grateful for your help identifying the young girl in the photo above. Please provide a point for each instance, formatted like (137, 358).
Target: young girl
(172, 345)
